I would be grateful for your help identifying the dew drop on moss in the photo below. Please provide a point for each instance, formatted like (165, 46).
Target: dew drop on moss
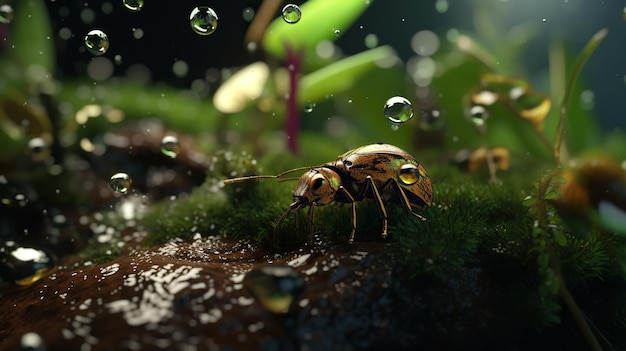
(170, 146)
(203, 20)
(120, 183)
(133, 5)
(291, 13)
(97, 42)
(398, 110)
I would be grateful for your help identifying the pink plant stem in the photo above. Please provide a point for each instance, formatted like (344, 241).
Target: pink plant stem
(292, 122)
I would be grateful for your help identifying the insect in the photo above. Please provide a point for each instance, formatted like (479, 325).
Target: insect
(382, 172)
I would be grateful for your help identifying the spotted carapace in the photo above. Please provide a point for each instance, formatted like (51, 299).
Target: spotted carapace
(382, 172)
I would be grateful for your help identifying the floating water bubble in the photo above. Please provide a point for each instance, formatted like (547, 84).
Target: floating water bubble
(371, 41)
(248, 14)
(291, 13)
(170, 146)
(120, 183)
(478, 115)
(442, 6)
(308, 108)
(133, 5)
(203, 20)
(24, 265)
(276, 287)
(431, 120)
(39, 149)
(97, 42)
(6, 13)
(425, 43)
(398, 110)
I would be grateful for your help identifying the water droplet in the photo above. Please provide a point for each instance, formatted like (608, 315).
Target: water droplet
(442, 6)
(409, 174)
(291, 13)
(170, 146)
(543, 20)
(395, 127)
(337, 32)
(24, 265)
(39, 149)
(308, 108)
(6, 13)
(398, 110)
(478, 115)
(120, 183)
(276, 287)
(431, 120)
(97, 42)
(133, 5)
(203, 20)
(248, 14)
(371, 41)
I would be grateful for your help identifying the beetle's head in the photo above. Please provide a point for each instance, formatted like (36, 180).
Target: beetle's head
(317, 187)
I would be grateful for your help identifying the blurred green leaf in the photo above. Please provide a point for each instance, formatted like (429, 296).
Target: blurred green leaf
(341, 75)
(582, 131)
(320, 19)
(31, 36)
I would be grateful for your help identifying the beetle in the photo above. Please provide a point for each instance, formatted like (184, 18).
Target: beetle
(382, 172)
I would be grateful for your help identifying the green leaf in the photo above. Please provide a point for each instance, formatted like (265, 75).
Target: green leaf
(320, 20)
(341, 75)
(580, 129)
(31, 36)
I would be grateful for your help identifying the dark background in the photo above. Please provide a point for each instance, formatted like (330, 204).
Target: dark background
(168, 37)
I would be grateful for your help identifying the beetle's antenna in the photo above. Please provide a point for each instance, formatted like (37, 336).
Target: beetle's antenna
(242, 179)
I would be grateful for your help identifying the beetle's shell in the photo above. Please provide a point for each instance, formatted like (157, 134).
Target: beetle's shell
(382, 162)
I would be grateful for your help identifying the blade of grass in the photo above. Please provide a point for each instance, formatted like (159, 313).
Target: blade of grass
(588, 50)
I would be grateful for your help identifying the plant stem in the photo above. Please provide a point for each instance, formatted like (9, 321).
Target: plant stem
(591, 46)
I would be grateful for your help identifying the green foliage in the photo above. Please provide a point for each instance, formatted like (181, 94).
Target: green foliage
(31, 37)
(320, 19)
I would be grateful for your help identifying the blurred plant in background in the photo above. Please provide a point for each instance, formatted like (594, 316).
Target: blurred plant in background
(473, 102)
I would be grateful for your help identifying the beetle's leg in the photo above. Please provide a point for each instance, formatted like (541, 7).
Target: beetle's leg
(405, 200)
(311, 215)
(379, 201)
(293, 206)
(353, 203)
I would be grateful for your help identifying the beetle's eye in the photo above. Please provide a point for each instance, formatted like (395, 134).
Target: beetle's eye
(409, 174)
(317, 182)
